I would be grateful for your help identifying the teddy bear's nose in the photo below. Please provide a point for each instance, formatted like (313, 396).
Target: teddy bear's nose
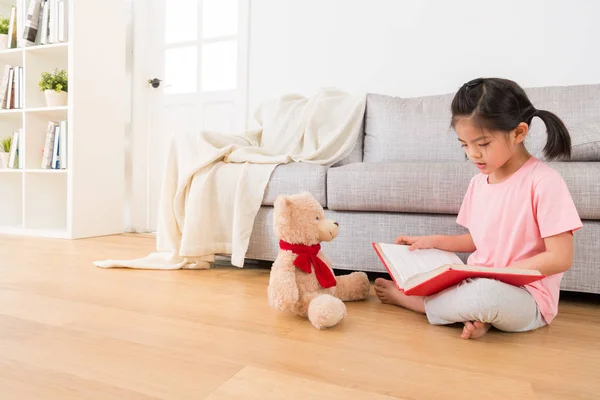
(336, 224)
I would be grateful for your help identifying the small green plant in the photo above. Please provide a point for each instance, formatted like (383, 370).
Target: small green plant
(4, 23)
(57, 81)
(5, 144)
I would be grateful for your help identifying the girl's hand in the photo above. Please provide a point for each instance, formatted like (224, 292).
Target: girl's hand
(417, 242)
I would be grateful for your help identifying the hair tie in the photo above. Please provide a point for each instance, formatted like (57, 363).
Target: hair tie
(529, 112)
(473, 83)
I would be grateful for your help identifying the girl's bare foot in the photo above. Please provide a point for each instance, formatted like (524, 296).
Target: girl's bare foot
(474, 330)
(388, 293)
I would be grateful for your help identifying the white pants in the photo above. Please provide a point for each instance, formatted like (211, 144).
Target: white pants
(506, 307)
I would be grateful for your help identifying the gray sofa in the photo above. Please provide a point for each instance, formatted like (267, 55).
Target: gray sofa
(407, 175)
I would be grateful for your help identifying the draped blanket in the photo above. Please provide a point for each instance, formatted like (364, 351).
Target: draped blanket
(214, 183)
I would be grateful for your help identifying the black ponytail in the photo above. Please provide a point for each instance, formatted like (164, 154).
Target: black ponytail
(501, 105)
(558, 144)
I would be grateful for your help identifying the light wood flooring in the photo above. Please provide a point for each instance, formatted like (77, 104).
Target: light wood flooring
(70, 330)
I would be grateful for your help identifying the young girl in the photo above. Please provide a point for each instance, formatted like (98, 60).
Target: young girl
(518, 212)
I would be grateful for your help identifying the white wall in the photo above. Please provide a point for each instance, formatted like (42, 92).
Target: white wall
(412, 48)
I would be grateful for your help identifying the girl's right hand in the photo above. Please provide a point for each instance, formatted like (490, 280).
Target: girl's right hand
(417, 242)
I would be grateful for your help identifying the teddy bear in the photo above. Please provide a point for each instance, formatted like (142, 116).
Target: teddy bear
(302, 280)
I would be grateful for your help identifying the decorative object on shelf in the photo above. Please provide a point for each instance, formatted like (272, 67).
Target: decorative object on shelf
(55, 87)
(4, 22)
(4, 152)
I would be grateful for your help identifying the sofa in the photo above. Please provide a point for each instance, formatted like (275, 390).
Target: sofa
(407, 175)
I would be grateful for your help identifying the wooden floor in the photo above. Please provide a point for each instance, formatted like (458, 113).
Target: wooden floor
(70, 330)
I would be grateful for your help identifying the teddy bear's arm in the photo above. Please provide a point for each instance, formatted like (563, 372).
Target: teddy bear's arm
(282, 290)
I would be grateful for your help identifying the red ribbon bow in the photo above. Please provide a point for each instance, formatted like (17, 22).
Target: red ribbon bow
(306, 255)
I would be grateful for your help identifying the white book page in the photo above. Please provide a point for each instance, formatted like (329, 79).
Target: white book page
(406, 263)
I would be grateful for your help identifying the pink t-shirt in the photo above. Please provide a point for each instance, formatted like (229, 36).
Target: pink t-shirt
(509, 220)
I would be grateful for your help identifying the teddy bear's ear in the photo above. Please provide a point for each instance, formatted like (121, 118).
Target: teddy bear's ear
(282, 202)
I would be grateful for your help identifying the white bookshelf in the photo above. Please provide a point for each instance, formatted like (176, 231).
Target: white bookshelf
(87, 198)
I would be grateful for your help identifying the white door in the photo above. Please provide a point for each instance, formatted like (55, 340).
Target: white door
(189, 73)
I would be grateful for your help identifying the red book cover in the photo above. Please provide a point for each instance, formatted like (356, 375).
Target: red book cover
(452, 276)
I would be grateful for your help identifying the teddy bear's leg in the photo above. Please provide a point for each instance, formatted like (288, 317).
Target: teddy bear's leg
(352, 287)
(301, 307)
(325, 311)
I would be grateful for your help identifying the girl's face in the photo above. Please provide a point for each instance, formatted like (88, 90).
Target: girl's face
(489, 151)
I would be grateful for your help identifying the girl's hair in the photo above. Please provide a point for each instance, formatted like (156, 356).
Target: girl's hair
(500, 105)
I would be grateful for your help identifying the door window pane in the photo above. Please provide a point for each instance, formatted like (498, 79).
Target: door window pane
(181, 21)
(219, 66)
(181, 70)
(219, 18)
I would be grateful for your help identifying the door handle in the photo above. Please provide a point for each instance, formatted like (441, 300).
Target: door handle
(155, 82)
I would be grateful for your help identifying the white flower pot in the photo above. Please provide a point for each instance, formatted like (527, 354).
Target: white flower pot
(3, 41)
(4, 160)
(54, 99)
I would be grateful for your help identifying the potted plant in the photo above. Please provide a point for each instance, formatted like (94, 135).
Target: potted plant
(4, 151)
(4, 23)
(55, 87)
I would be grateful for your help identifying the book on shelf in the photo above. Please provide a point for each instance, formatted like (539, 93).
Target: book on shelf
(38, 22)
(14, 154)
(4, 88)
(11, 91)
(32, 23)
(425, 272)
(54, 154)
(12, 28)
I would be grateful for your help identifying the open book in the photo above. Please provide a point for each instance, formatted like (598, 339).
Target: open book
(425, 272)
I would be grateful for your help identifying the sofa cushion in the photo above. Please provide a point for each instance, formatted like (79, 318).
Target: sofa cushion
(433, 187)
(356, 155)
(294, 178)
(585, 144)
(579, 108)
(418, 129)
(411, 129)
(583, 181)
(437, 187)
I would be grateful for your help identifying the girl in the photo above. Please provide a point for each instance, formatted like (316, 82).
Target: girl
(518, 212)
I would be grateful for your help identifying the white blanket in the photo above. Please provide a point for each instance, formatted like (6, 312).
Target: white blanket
(213, 184)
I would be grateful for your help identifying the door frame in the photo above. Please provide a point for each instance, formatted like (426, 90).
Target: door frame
(145, 65)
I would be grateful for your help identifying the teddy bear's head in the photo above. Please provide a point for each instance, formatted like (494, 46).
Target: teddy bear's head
(300, 219)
